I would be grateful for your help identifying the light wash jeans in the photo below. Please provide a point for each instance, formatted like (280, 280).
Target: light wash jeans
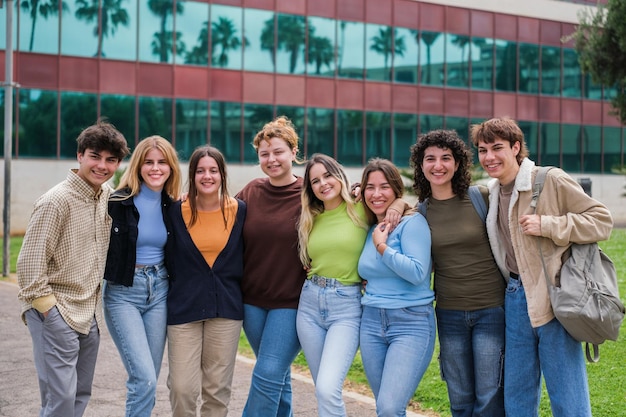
(547, 349)
(396, 347)
(273, 338)
(137, 320)
(328, 325)
(472, 360)
(65, 361)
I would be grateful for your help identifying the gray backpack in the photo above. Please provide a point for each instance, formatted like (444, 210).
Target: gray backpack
(585, 298)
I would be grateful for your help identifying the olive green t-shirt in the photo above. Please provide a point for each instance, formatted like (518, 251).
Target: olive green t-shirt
(466, 274)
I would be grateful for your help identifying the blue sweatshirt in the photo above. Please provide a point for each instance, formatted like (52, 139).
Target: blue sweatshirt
(401, 276)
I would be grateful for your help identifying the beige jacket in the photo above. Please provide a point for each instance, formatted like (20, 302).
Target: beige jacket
(568, 215)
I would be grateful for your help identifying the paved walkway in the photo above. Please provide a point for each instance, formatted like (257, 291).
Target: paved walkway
(19, 393)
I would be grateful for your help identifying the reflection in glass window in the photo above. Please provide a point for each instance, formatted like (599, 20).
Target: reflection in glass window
(529, 70)
(613, 156)
(191, 126)
(156, 31)
(77, 111)
(80, 18)
(458, 50)
(506, 65)
(404, 136)
(405, 65)
(383, 42)
(290, 55)
(351, 49)
(260, 51)
(227, 42)
(39, 26)
(550, 70)
(194, 34)
(591, 148)
(120, 110)
(482, 63)
(321, 47)
(432, 54)
(460, 125)
(155, 117)
(38, 123)
(572, 76)
(430, 122)
(571, 139)
(255, 116)
(377, 135)
(591, 89)
(350, 137)
(320, 131)
(550, 144)
(119, 34)
(530, 130)
(226, 129)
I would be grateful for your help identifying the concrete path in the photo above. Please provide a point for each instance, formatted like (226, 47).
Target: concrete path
(19, 393)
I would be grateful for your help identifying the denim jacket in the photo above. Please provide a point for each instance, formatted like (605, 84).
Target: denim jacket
(122, 253)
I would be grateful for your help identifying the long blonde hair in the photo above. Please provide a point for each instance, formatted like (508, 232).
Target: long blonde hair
(312, 206)
(132, 176)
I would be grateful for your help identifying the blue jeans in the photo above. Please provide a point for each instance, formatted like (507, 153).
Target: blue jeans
(328, 323)
(547, 349)
(396, 347)
(137, 320)
(472, 360)
(272, 336)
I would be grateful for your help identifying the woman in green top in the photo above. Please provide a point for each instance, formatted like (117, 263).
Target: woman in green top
(332, 232)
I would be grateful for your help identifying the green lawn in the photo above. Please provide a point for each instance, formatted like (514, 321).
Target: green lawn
(607, 379)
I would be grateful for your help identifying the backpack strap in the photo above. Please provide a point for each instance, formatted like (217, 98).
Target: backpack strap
(475, 196)
(540, 179)
(478, 201)
(421, 207)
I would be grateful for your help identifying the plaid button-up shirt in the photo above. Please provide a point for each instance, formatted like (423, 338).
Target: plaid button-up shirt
(62, 259)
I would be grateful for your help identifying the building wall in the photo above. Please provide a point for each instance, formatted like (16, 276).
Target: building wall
(31, 178)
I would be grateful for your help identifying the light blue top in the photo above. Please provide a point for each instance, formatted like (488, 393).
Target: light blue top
(152, 233)
(401, 276)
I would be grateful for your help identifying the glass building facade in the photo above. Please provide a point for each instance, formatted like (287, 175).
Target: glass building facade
(359, 78)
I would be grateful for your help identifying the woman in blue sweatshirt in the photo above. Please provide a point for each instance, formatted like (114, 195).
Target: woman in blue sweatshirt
(136, 273)
(398, 322)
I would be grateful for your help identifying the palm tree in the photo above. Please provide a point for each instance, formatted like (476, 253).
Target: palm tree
(462, 41)
(113, 15)
(199, 54)
(429, 39)
(291, 31)
(388, 43)
(164, 41)
(44, 8)
(163, 38)
(320, 52)
(224, 34)
(267, 40)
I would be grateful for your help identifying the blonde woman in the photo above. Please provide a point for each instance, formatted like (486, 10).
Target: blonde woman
(136, 276)
(332, 232)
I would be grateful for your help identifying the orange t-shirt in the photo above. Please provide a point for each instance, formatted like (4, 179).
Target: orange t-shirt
(208, 233)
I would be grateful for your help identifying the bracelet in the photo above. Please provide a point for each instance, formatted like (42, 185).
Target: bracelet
(381, 243)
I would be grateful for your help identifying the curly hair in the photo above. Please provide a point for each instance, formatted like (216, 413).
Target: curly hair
(443, 139)
(282, 128)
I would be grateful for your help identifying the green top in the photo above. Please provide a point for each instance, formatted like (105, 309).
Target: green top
(335, 244)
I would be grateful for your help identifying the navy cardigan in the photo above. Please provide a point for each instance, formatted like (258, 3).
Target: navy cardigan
(198, 291)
